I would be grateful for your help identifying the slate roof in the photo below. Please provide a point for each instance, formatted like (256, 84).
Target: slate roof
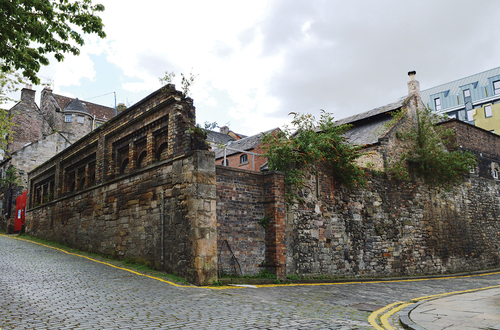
(75, 105)
(217, 137)
(101, 112)
(245, 144)
(368, 126)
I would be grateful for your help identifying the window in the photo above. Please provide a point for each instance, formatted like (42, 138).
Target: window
(487, 111)
(437, 104)
(470, 115)
(495, 173)
(453, 116)
(68, 118)
(243, 159)
(225, 163)
(496, 87)
(80, 119)
(466, 93)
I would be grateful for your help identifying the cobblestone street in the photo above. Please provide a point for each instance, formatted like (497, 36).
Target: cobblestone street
(43, 288)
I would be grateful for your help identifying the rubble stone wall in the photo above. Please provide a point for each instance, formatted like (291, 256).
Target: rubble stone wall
(395, 228)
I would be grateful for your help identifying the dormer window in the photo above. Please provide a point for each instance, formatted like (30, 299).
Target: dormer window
(68, 118)
(496, 87)
(243, 159)
(437, 104)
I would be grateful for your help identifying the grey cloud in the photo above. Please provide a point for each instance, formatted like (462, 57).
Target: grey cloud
(222, 50)
(155, 65)
(359, 52)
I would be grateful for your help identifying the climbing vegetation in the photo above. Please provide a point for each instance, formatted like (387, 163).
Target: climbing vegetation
(296, 150)
(430, 153)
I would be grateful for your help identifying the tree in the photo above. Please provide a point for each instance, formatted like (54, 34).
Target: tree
(297, 151)
(31, 29)
(9, 82)
(432, 153)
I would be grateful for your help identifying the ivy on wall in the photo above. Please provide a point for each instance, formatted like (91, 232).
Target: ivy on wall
(428, 152)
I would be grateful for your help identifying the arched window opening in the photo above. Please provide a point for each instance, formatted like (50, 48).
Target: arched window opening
(160, 151)
(124, 166)
(141, 161)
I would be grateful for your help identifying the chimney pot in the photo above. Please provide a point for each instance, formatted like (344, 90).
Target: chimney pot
(413, 85)
(224, 130)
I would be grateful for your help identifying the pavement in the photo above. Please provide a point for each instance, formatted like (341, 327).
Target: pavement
(466, 311)
(46, 288)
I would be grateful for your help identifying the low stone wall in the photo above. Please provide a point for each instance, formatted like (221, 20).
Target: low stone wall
(244, 198)
(395, 228)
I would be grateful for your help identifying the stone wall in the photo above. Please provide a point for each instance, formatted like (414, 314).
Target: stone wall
(244, 198)
(395, 228)
(485, 145)
(131, 184)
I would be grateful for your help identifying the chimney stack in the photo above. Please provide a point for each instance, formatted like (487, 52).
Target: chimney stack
(224, 130)
(28, 94)
(413, 85)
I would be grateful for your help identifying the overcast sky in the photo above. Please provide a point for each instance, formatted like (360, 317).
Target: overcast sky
(256, 61)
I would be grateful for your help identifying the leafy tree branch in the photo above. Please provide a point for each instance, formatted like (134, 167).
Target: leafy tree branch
(32, 29)
(297, 150)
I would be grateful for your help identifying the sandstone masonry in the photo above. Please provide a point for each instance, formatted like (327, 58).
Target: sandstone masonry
(136, 188)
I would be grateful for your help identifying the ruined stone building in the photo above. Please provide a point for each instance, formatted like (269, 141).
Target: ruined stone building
(146, 187)
(40, 132)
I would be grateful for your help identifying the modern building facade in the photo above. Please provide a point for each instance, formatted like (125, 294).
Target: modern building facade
(474, 99)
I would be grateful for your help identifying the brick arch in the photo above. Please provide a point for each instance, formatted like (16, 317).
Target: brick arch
(124, 165)
(141, 160)
(160, 150)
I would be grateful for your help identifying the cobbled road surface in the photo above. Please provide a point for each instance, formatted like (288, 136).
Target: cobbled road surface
(43, 288)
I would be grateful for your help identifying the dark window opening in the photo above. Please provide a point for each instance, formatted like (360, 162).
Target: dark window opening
(243, 159)
(124, 166)
(141, 161)
(160, 151)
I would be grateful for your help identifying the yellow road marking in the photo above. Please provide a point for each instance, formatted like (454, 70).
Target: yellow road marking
(373, 316)
(269, 285)
(401, 304)
(385, 318)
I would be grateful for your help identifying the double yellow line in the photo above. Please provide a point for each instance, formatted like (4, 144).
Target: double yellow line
(380, 318)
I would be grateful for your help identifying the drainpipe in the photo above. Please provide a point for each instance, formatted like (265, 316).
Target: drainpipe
(162, 231)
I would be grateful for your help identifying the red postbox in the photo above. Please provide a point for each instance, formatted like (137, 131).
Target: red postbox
(20, 211)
